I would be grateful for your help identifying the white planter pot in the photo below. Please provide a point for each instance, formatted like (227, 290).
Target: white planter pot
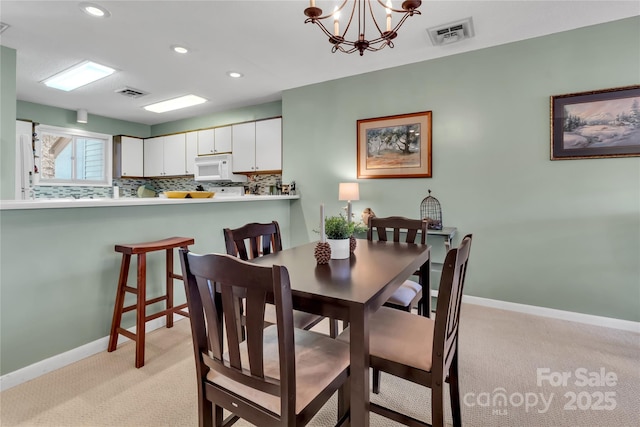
(339, 248)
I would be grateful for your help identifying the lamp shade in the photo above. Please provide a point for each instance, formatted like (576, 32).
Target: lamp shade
(82, 116)
(349, 191)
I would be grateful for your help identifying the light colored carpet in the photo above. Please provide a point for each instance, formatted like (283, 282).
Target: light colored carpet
(500, 351)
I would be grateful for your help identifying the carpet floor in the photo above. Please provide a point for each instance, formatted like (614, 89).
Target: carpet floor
(515, 370)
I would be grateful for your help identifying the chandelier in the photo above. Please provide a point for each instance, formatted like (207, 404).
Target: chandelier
(365, 13)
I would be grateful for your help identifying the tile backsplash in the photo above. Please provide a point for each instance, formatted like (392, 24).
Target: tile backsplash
(256, 184)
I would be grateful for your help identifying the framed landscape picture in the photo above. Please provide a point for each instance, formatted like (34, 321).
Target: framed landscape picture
(597, 124)
(395, 146)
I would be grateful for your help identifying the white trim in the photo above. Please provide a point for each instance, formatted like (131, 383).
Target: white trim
(61, 360)
(589, 319)
(30, 372)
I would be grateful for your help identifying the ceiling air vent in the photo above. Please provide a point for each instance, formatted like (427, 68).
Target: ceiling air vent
(452, 32)
(131, 92)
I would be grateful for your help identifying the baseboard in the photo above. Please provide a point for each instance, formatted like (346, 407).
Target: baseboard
(30, 372)
(589, 319)
(58, 361)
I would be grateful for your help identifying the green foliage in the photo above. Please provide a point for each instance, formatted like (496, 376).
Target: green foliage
(337, 227)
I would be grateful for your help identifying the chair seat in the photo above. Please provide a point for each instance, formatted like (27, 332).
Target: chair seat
(319, 360)
(301, 319)
(405, 294)
(392, 330)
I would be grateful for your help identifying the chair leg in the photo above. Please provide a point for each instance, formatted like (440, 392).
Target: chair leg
(376, 380)
(437, 404)
(333, 328)
(218, 415)
(454, 392)
(205, 416)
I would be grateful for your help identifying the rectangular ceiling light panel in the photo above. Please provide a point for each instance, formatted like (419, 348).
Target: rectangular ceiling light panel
(78, 75)
(175, 104)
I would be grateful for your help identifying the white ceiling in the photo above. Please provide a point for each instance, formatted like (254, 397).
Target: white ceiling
(266, 40)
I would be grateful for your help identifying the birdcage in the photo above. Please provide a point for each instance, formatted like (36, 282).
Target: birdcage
(431, 212)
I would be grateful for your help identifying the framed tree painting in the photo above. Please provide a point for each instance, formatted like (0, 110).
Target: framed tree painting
(395, 146)
(597, 124)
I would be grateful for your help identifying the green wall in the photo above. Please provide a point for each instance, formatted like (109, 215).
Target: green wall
(54, 116)
(7, 121)
(561, 234)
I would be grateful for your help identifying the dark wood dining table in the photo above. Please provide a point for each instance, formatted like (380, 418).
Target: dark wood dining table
(352, 289)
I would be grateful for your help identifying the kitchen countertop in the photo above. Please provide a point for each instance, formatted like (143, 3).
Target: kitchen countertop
(128, 201)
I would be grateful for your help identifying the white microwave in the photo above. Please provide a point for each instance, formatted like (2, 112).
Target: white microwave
(218, 167)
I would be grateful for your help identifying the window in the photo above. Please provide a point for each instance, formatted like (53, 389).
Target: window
(73, 157)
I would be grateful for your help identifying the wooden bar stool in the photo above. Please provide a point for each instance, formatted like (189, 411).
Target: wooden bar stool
(141, 249)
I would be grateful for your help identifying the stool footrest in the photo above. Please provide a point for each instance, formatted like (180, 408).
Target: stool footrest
(127, 334)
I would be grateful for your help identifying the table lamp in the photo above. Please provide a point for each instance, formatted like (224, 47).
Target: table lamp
(349, 191)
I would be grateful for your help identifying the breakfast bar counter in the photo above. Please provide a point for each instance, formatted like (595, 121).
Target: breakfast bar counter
(129, 201)
(59, 270)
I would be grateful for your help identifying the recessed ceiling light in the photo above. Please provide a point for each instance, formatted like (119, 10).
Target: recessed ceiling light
(78, 75)
(175, 104)
(234, 74)
(94, 10)
(179, 49)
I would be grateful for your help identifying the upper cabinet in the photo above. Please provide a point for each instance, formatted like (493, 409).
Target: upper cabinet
(223, 139)
(257, 146)
(165, 156)
(128, 157)
(214, 141)
(269, 145)
(191, 151)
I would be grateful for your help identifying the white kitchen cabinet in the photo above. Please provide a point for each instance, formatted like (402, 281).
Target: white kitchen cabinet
(223, 139)
(154, 156)
(175, 155)
(269, 145)
(128, 158)
(165, 155)
(206, 142)
(257, 146)
(191, 151)
(214, 141)
(244, 147)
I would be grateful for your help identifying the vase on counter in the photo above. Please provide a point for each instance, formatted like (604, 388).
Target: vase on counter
(340, 248)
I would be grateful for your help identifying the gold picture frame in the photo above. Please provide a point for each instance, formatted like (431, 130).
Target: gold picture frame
(395, 146)
(597, 124)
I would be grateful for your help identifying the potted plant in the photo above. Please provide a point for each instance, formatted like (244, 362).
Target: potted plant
(339, 233)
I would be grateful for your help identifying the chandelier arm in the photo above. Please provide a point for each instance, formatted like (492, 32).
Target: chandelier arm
(329, 15)
(346, 29)
(373, 18)
(398, 10)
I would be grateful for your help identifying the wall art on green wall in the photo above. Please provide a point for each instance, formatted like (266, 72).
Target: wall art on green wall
(395, 146)
(601, 123)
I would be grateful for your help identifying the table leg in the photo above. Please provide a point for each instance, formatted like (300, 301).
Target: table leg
(359, 349)
(425, 276)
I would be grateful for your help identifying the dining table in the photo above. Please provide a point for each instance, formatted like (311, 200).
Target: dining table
(352, 289)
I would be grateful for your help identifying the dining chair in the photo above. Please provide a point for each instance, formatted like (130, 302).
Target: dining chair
(409, 294)
(432, 358)
(255, 239)
(278, 375)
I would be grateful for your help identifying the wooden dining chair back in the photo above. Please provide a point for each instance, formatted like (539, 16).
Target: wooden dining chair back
(432, 359)
(253, 240)
(397, 224)
(408, 295)
(257, 239)
(262, 379)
